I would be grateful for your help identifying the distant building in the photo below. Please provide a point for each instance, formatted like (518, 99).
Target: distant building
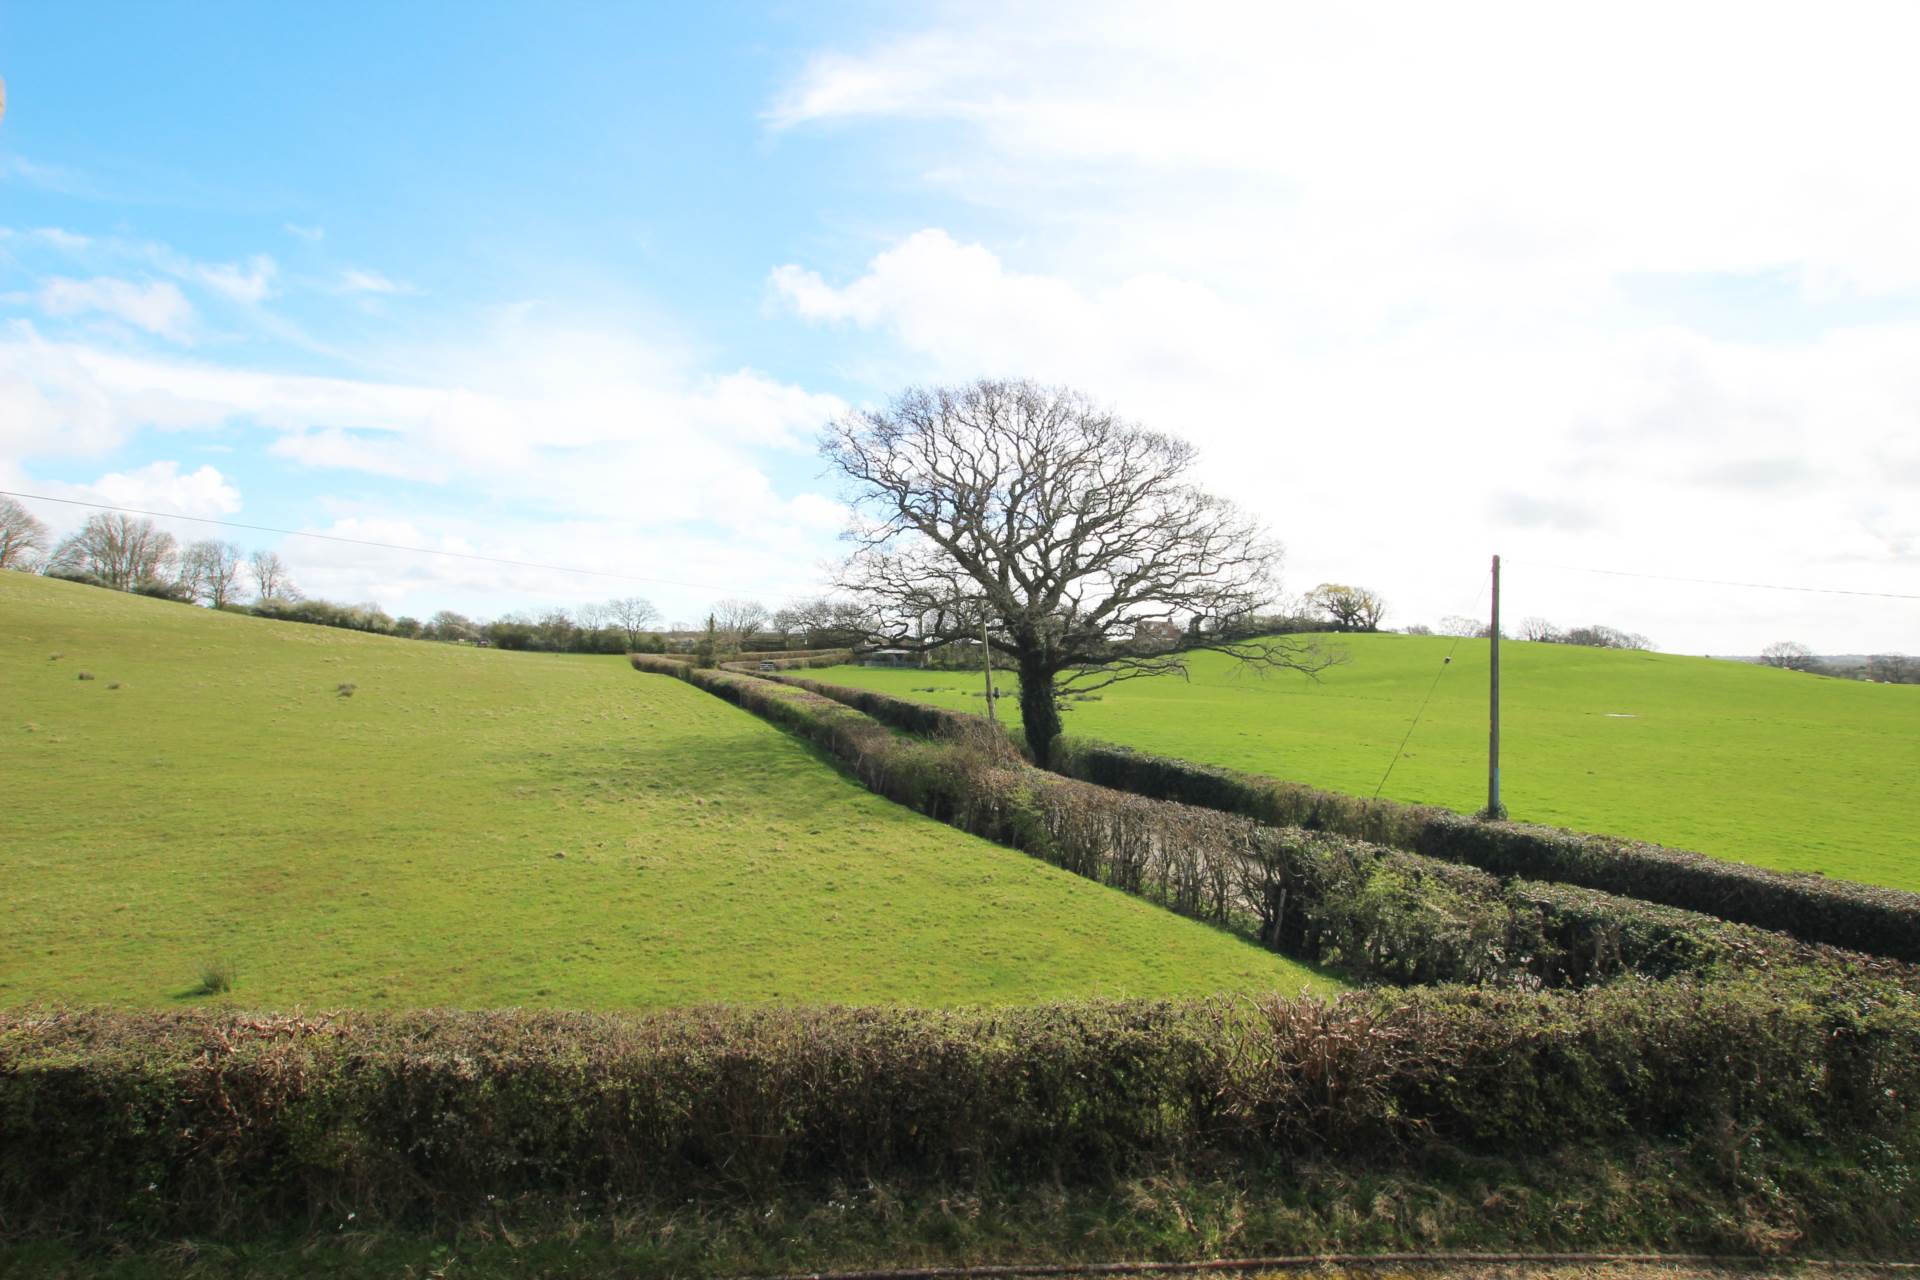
(1159, 631)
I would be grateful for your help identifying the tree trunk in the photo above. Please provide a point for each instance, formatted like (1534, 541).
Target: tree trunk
(1038, 711)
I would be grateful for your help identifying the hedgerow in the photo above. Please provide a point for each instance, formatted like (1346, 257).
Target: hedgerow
(902, 713)
(808, 657)
(1841, 913)
(798, 660)
(1377, 914)
(177, 1122)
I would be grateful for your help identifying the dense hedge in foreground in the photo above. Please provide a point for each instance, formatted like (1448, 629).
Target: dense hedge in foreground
(189, 1121)
(1842, 913)
(1376, 914)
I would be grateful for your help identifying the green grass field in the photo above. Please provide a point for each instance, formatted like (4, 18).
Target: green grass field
(1777, 768)
(473, 828)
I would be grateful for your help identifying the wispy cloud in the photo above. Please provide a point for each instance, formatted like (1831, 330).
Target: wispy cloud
(358, 280)
(45, 177)
(157, 307)
(311, 234)
(248, 283)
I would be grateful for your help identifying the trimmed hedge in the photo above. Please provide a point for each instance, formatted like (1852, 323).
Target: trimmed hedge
(1377, 914)
(661, 664)
(1840, 913)
(798, 660)
(185, 1122)
(902, 713)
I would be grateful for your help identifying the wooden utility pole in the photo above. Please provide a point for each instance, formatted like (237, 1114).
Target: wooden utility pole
(1494, 808)
(986, 667)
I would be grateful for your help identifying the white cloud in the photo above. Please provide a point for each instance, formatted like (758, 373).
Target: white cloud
(586, 446)
(250, 282)
(162, 486)
(627, 561)
(157, 487)
(380, 454)
(355, 280)
(158, 307)
(1388, 266)
(1403, 461)
(312, 235)
(54, 178)
(68, 241)
(1409, 143)
(817, 512)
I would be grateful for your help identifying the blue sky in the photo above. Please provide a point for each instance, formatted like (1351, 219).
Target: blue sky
(580, 283)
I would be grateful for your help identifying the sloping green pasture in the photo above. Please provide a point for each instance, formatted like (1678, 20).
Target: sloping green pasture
(1777, 768)
(476, 828)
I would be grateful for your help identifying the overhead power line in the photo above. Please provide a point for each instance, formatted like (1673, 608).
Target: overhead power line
(1718, 582)
(383, 546)
(1415, 724)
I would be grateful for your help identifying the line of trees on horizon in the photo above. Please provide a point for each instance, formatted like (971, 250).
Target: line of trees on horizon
(132, 554)
(1876, 668)
(1539, 631)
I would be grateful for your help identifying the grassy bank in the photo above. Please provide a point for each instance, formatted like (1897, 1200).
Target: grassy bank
(342, 819)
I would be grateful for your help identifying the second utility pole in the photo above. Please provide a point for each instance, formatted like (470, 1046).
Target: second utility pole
(1494, 808)
(986, 666)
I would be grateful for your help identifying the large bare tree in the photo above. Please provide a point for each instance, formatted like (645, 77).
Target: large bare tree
(738, 620)
(822, 622)
(1790, 655)
(633, 616)
(271, 577)
(21, 534)
(211, 570)
(1348, 608)
(1075, 538)
(117, 549)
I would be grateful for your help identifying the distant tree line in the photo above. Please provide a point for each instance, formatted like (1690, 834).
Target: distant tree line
(1540, 631)
(1879, 668)
(132, 554)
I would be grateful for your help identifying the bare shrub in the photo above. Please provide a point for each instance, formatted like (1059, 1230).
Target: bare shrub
(216, 976)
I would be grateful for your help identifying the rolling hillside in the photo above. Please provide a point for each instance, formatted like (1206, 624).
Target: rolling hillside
(355, 820)
(1778, 768)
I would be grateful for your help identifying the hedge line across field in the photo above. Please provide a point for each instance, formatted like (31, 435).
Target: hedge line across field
(168, 1123)
(903, 714)
(1374, 913)
(796, 660)
(1840, 913)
